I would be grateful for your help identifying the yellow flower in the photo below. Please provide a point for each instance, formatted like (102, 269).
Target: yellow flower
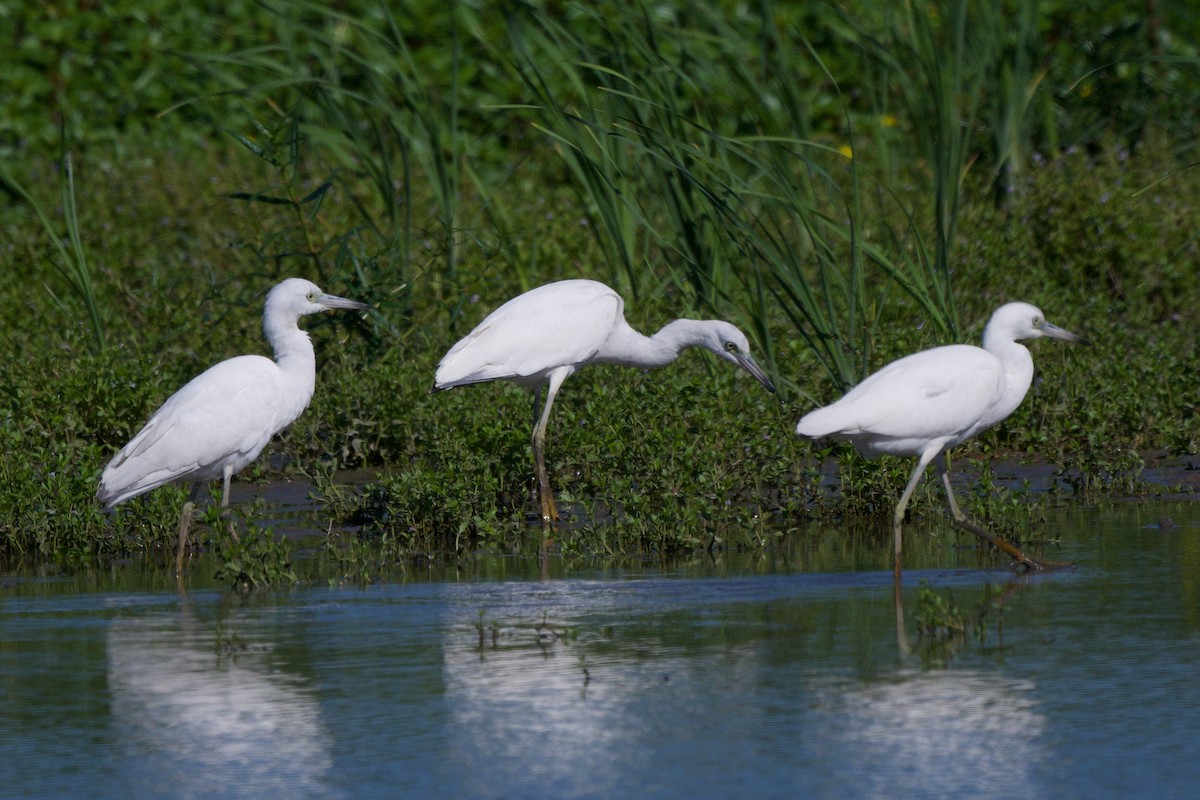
(846, 150)
(888, 120)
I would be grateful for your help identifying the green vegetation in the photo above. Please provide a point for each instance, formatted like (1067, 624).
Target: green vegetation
(943, 628)
(846, 183)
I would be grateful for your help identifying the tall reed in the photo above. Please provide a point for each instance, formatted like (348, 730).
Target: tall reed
(347, 85)
(967, 78)
(688, 132)
(744, 209)
(72, 262)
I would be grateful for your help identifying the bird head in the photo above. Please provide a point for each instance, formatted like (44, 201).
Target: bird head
(296, 297)
(731, 344)
(1018, 321)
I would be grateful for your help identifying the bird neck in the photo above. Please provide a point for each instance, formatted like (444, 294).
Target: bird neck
(293, 351)
(629, 348)
(1017, 364)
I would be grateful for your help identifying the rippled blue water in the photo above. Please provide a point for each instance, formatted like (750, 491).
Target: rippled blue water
(647, 684)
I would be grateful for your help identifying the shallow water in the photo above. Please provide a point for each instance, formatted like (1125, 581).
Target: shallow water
(726, 679)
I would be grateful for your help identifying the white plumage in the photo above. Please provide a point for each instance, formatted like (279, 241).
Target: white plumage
(546, 334)
(223, 418)
(926, 403)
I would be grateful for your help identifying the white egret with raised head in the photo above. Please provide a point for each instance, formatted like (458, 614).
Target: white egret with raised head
(222, 419)
(926, 403)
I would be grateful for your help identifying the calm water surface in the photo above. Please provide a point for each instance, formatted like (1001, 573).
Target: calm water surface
(718, 681)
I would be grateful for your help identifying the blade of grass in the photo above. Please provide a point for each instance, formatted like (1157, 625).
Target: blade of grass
(72, 262)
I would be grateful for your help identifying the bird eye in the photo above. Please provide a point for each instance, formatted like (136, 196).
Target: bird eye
(731, 347)
(312, 297)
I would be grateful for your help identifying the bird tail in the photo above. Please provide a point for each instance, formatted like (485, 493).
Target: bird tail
(817, 424)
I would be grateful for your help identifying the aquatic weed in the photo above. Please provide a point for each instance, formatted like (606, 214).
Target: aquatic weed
(255, 559)
(943, 628)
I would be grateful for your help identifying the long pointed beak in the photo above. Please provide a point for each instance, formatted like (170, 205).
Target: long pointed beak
(1055, 332)
(332, 301)
(750, 365)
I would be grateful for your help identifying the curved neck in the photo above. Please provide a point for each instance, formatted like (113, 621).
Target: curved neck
(296, 360)
(628, 348)
(287, 340)
(1017, 363)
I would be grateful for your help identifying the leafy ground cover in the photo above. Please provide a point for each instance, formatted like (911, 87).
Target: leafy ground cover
(493, 167)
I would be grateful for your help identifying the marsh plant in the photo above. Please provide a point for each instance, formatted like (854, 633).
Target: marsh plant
(254, 559)
(70, 254)
(848, 183)
(944, 629)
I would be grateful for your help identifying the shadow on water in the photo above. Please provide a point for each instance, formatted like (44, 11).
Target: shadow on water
(768, 675)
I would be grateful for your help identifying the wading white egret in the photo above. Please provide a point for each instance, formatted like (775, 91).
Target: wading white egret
(546, 334)
(924, 404)
(221, 420)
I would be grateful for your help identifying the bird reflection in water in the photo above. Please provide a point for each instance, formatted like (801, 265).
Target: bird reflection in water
(201, 711)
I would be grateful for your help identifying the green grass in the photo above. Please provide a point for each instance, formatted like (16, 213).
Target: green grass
(489, 152)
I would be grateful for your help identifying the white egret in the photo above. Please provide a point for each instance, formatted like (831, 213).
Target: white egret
(546, 334)
(221, 420)
(926, 403)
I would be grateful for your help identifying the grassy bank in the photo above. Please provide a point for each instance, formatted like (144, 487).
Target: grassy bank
(832, 225)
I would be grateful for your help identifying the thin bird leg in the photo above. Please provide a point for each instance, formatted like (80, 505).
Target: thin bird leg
(539, 463)
(228, 475)
(537, 405)
(545, 493)
(898, 515)
(185, 522)
(898, 602)
(961, 519)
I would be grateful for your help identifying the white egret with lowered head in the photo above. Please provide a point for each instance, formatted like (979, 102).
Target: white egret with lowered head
(545, 335)
(926, 403)
(221, 420)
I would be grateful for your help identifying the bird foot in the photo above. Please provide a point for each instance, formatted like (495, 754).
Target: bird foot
(550, 515)
(1021, 562)
(1033, 565)
(549, 509)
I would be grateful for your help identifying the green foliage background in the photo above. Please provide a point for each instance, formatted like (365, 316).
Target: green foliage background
(707, 159)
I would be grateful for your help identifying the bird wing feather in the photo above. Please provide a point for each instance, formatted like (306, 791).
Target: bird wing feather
(926, 395)
(559, 324)
(215, 417)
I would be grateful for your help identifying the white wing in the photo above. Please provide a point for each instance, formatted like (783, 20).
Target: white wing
(552, 326)
(941, 393)
(225, 415)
